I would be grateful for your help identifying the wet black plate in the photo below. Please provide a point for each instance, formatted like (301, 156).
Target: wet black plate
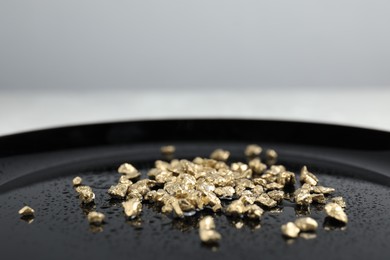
(37, 168)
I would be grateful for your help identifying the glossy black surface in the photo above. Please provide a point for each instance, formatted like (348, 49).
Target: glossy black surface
(36, 168)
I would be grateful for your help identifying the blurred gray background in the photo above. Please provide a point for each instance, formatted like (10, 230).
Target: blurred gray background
(70, 62)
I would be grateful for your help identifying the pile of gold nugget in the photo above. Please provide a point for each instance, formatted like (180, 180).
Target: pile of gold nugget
(182, 187)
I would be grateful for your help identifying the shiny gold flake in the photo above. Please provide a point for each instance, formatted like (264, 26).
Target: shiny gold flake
(168, 150)
(220, 155)
(253, 150)
(132, 208)
(77, 181)
(306, 224)
(340, 201)
(290, 230)
(95, 218)
(26, 211)
(308, 177)
(335, 211)
(129, 170)
(86, 194)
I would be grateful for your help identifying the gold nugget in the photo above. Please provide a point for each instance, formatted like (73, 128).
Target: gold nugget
(77, 181)
(119, 191)
(207, 232)
(168, 150)
(26, 211)
(207, 223)
(237, 208)
(129, 170)
(308, 177)
(335, 211)
(306, 224)
(265, 200)
(253, 150)
(220, 155)
(86, 194)
(254, 211)
(132, 208)
(95, 218)
(271, 155)
(257, 166)
(290, 230)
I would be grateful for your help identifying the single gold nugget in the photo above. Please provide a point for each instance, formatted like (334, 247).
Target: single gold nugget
(220, 155)
(236, 208)
(132, 208)
(335, 211)
(168, 150)
(290, 230)
(95, 218)
(86, 194)
(254, 211)
(308, 177)
(119, 191)
(207, 223)
(271, 155)
(306, 224)
(77, 181)
(265, 200)
(253, 150)
(207, 232)
(129, 170)
(26, 211)
(257, 166)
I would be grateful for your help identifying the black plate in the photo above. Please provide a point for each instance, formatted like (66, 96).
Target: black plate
(36, 168)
